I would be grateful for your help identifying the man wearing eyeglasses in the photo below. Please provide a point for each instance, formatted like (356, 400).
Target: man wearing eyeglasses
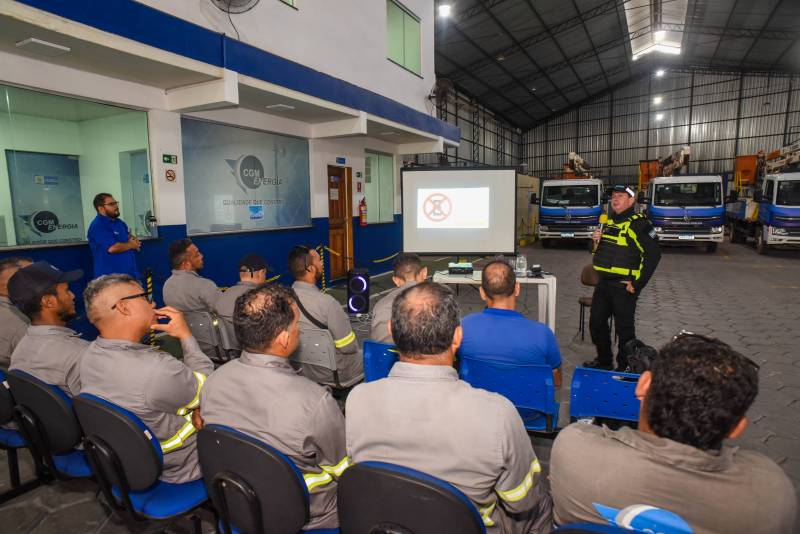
(50, 350)
(111, 242)
(695, 396)
(163, 391)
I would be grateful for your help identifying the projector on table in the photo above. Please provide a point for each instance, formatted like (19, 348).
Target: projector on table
(459, 268)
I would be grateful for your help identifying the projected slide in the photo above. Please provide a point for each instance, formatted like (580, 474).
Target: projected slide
(453, 207)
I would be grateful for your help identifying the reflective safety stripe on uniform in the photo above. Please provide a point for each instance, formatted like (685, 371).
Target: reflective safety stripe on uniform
(486, 514)
(338, 469)
(346, 340)
(518, 493)
(315, 480)
(177, 440)
(619, 270)
(195, 402)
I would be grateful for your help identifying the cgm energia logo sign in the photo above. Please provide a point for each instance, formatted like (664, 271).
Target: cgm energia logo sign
(249, 173)
(46, 222)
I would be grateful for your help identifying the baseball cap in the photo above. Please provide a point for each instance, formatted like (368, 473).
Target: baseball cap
(32, 281)
(623, 189)
(252, 262)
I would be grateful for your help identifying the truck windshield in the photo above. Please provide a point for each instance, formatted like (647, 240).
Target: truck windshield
(788, 193)
(688, 194)
(570, 195)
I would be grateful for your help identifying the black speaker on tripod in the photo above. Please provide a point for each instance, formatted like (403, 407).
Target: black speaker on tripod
(358, 291)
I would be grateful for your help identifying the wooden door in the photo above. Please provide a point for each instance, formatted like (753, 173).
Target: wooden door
(340, 220)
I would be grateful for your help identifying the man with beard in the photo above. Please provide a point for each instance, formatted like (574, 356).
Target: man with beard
(186, 290)
(318, 310)
(49, 351)
(110, 240)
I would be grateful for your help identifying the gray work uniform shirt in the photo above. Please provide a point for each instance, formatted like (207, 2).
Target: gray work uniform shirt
(425, 418)
(329, 312)
(227, 301)
(190, 292)
(13, 325)
(262, 396)
(732, 490)
(156, 387)
(382, 314)
(53, 355)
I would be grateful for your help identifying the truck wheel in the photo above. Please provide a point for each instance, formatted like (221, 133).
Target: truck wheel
(546, 243)
(761, 246)
(736, 234)
(711, 247)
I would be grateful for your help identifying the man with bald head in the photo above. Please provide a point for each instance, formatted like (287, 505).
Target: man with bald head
(423, 417)
(500, 333)
(13, 323)
(162, 391)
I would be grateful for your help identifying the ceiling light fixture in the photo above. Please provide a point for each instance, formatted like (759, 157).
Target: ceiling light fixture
(660, 35)
(659, 116)
(43, 48)
(445, 10)
(664, 48)
(388, 133)
(657, 100)
(660, 73)
(280, 107)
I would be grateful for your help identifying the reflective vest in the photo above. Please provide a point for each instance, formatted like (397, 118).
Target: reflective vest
(619, 251)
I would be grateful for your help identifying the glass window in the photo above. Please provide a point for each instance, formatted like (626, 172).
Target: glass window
(689, 194)
(788, 193)
(769, 190)
(570, 195)
(379, 187)
(240, 180)
(56, 154)
(403, 36)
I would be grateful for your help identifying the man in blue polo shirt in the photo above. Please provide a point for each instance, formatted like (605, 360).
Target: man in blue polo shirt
(499, 333)
(110, 241)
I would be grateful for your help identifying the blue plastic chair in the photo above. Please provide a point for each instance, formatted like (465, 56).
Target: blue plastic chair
(127, 461)
(11, 441)
(608, 394)
(383, 497)
(378, 360)
(44, 416)
(529, 387)
(591, 528)
(252, 485)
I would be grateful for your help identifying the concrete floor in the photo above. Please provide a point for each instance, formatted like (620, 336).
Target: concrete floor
(747, 300)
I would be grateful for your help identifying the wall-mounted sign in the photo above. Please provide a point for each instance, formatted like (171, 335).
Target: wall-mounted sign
(170, 175)
(341, 160)
(172, 159)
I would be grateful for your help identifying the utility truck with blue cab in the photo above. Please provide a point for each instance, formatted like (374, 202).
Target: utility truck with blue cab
(569, 209)
(686, 209)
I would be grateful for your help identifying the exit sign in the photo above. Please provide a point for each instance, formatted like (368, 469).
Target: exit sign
(170, 158)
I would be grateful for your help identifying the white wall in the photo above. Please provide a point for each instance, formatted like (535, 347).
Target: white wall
(343, 38)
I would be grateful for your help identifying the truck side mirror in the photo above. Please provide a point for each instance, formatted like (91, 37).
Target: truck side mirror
(534, 198)
(641, 199)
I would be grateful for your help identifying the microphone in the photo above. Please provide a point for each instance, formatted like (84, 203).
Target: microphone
(603, 221)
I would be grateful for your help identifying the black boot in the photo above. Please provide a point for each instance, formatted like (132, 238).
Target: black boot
(597, 364)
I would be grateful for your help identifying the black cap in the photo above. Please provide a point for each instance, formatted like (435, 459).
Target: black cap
(252, 262)
(623, 189)
(32, 281)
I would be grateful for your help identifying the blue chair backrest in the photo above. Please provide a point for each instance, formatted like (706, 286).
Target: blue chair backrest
(591, 528)
(51, 407)
(378, 360)
(123, 451)
(6, 400)
(373, 494)
(528, 387)
(644, 518)
(254, 487)
(598, 393)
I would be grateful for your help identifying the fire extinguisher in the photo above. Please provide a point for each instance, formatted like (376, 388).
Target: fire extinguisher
(362, 212)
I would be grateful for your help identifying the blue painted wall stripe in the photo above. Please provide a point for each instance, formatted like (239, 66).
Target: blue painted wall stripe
(152, 27)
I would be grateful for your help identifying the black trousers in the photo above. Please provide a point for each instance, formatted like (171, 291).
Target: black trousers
(612, 299)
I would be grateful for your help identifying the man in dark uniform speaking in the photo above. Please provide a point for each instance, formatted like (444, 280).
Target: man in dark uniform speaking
(626, 256)
(111, 242)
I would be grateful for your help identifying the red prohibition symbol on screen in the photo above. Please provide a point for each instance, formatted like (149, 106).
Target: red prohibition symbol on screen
(437, 207)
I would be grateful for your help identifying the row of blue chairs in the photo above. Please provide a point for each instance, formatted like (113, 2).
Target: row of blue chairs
(594, 392)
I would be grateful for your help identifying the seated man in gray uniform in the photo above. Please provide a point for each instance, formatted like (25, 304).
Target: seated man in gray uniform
(189, 292)
(252, 273)
(695, 395)
(186, 290)
(423, 417)
(13, 323)
(162, 391)
(261, 395)
(408, 271)
(318, 310)
(49, 351)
